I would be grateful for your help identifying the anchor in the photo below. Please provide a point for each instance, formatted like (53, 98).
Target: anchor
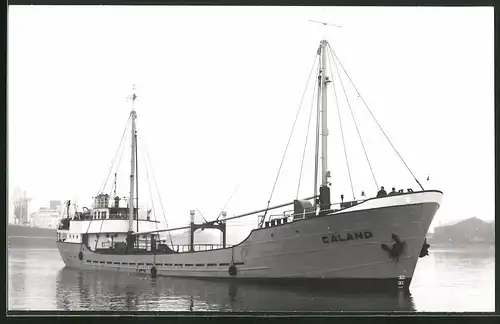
(425, 249)
(396, 249)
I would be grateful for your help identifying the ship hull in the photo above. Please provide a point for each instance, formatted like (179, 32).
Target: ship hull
(341, 248)
(26, 237)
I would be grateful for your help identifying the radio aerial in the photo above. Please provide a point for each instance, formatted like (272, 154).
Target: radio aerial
(325, 23)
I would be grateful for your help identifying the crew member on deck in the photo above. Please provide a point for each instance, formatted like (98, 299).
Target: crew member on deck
(382, 192)
(393, 192)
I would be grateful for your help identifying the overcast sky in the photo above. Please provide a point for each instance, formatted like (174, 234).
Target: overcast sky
(219, 88)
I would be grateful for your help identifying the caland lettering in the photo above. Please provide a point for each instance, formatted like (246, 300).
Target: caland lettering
(348, 237)
(368, 234)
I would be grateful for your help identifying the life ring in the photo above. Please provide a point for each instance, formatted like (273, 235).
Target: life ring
(232, 270)
(80, 255)
(154, 272)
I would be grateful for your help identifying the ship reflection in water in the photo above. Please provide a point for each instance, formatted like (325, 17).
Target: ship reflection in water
(444, 281)
(81, 289)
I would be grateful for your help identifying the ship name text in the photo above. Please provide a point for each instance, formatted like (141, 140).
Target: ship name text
(337, 238)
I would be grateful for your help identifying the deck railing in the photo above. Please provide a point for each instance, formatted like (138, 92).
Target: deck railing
(198, 247)
(146, 245)
(87, 217)
(289, 215)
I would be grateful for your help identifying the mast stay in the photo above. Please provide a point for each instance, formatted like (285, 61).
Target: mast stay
(336, 59)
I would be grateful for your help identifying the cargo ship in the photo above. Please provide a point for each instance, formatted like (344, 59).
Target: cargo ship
(370, 243)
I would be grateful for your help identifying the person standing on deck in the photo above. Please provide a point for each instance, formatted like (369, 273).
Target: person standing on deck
(382, 192)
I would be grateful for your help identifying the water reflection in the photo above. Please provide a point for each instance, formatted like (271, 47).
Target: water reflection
(31, 277)
(456, 280)
(447, 280)
(95, 290)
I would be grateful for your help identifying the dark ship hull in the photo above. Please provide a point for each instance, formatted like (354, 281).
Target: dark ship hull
(27, 237)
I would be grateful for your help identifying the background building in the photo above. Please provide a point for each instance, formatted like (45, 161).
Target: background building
(468, 231)
(48, 217)
(55, 204)
(20, 206)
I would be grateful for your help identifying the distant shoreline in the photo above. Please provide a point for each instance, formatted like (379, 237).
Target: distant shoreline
(462, 246)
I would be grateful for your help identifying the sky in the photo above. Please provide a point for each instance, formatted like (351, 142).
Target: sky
(218, 91)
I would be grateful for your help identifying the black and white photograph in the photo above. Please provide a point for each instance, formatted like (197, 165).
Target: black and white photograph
(260, 159)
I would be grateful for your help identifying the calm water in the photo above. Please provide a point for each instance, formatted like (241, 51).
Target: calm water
(453, 280)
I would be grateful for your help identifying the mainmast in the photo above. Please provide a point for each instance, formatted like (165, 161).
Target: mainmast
(316, 153)
(324, 190)
(323, 80)
(133, 116)
(136, 185)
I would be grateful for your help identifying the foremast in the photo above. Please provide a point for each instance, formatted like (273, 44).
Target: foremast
(133, 116)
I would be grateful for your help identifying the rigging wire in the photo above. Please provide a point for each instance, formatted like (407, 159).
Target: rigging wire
(114, 158)
(227, 203)
(152, 174)
(356, 124)
(121, 155)
(369, 110)
(341, 129)
(150, 192)
(97, 236)
(156, 185)
(307, 134)
(290, 137)
(201, 215)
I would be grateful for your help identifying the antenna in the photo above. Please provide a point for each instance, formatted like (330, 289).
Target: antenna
(133, 97)
(325, 23)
